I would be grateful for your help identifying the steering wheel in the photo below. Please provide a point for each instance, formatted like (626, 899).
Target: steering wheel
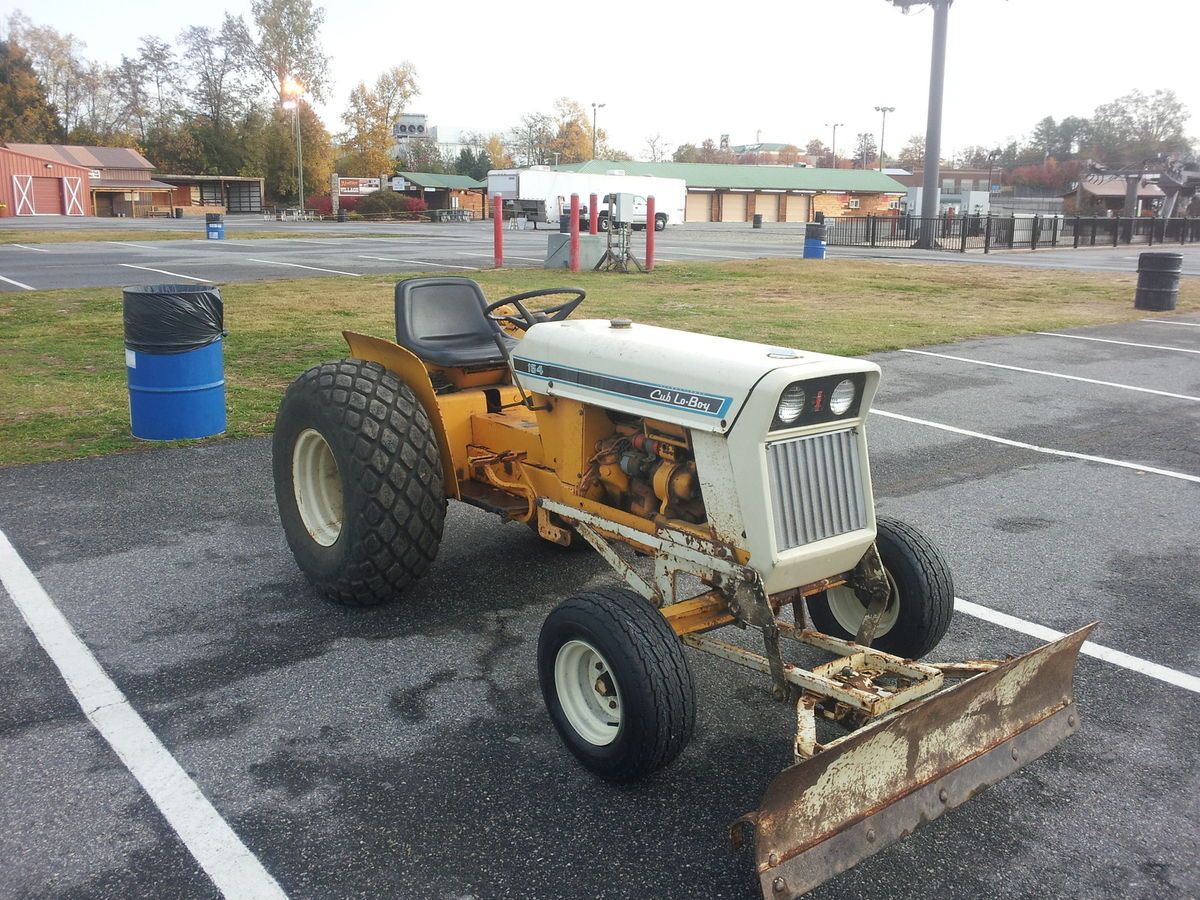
(527, 319)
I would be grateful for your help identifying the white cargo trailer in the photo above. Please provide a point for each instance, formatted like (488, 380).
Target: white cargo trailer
(542, 194)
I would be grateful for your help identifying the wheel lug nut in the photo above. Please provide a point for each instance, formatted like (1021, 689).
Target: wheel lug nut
(612, 704)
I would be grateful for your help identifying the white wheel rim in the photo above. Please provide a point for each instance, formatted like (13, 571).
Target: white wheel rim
(318, 487)
(588, 692)
(848, 611)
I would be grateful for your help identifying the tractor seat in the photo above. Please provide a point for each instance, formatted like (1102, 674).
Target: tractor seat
(442, 321)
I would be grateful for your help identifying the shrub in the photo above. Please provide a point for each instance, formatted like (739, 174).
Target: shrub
(382, 203)
(321, 204)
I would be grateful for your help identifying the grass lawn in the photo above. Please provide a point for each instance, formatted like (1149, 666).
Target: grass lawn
(78, 235)
(62, 375)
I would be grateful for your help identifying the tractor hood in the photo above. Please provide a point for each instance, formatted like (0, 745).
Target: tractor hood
(695, 380)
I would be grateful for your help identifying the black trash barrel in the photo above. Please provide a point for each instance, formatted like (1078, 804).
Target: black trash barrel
(179, 212)
(173, 361)
(212, 218)
(341, 214)
(757, 220)
(564, 223)
(1158, 281)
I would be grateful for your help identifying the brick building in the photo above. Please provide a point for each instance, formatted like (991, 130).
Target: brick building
(719, 192)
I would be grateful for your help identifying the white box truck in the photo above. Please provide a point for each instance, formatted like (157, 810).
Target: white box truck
(543, 194)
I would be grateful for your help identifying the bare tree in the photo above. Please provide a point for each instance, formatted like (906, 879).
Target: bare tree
(657, 148)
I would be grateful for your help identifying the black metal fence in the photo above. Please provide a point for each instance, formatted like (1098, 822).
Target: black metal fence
(987, 233)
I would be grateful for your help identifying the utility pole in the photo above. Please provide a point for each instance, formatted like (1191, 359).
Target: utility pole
(595, 106)
(833, 148)
(882, 125)
(933, 124)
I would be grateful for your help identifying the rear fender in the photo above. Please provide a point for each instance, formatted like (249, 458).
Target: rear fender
(409, 369)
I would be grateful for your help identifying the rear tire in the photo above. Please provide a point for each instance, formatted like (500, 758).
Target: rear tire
(358, 481)
(616, 683)
(660, 223)
(922, 602)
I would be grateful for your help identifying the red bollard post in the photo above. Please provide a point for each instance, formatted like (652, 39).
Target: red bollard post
(498, 230)
(593, 214)
(574, 232)
(650, 234)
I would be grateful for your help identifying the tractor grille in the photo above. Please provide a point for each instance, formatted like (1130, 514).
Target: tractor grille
(816, 488)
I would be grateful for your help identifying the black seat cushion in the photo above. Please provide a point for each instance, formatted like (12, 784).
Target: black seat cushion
(442, 321)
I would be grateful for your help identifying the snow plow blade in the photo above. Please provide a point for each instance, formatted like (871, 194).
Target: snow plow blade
(877, 785)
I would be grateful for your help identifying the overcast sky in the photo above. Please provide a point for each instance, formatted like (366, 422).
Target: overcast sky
(697, 70)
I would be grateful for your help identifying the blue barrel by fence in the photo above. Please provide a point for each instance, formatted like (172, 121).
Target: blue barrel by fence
(814, 240)
(214, 226)
(174, 361)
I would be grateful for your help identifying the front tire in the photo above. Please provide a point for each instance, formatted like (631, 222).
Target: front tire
(660, 223)
(921, 603)
(358, 481)
(616, 683)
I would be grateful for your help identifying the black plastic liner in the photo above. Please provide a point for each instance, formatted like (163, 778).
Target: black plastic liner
(172, 318)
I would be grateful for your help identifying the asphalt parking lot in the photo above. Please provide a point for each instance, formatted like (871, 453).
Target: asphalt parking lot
(405, 752)
(361, 248)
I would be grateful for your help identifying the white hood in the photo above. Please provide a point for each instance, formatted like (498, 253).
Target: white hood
(695, 380)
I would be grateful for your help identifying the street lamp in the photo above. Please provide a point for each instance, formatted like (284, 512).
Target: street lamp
(992, 157)
(595, 106)
(882, 125)
(293, 90)
(833, 149)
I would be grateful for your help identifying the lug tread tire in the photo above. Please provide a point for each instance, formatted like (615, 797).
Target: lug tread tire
(657, 690)
(388, 457)
(922, 625)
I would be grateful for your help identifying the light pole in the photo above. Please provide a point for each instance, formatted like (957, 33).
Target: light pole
(933, 124)
(833, 149)
(882, 125)
(293, 89)
(595, 106)
(992, 157)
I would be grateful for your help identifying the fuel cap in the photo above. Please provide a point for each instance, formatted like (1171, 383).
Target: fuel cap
(620, 323)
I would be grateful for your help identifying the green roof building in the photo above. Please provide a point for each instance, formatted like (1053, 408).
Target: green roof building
(725, 192)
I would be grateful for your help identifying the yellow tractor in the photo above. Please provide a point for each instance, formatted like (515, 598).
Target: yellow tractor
(727, 484)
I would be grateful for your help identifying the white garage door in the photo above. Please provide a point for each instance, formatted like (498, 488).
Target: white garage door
(699, 207)
(733, 207)
(767, 206)
(797, 207)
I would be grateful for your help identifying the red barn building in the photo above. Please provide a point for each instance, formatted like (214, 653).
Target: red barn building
(36, 186)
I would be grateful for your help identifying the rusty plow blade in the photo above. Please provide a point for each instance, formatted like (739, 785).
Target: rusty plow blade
(879, 784)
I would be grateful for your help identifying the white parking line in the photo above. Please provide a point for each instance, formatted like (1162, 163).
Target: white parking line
(708, 253)
(163, 272)
(234, 870)
(1125, 387)
(1080, 337)
(17, 283)
(420, 262)
(306, 241)
(506, 256)
(127, 244)
(1116, 657)
(1138, 467)
(271, 262)
(34, 249)
(1155, 321)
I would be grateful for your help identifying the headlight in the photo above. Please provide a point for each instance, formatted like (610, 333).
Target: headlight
(842, 397)
(791, 404)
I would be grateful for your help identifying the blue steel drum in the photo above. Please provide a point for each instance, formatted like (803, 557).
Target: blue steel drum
(174, 361)
(216, 231)
(814, 248)
(176, 395)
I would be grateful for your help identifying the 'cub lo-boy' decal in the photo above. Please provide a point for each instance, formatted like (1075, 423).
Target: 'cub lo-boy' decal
(676, 398)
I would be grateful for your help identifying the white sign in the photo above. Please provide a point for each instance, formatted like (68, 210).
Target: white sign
(357, 185)
(398, 183)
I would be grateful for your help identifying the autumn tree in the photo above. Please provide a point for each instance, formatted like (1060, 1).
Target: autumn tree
(865, 152)
(972, 157)
(56, 60)
(370, 114)
(688, 153)
(788, 155)
(497, 151)
(25, 112)
(912, 154)
(711, 153)
(573, 138)
(286, 44)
